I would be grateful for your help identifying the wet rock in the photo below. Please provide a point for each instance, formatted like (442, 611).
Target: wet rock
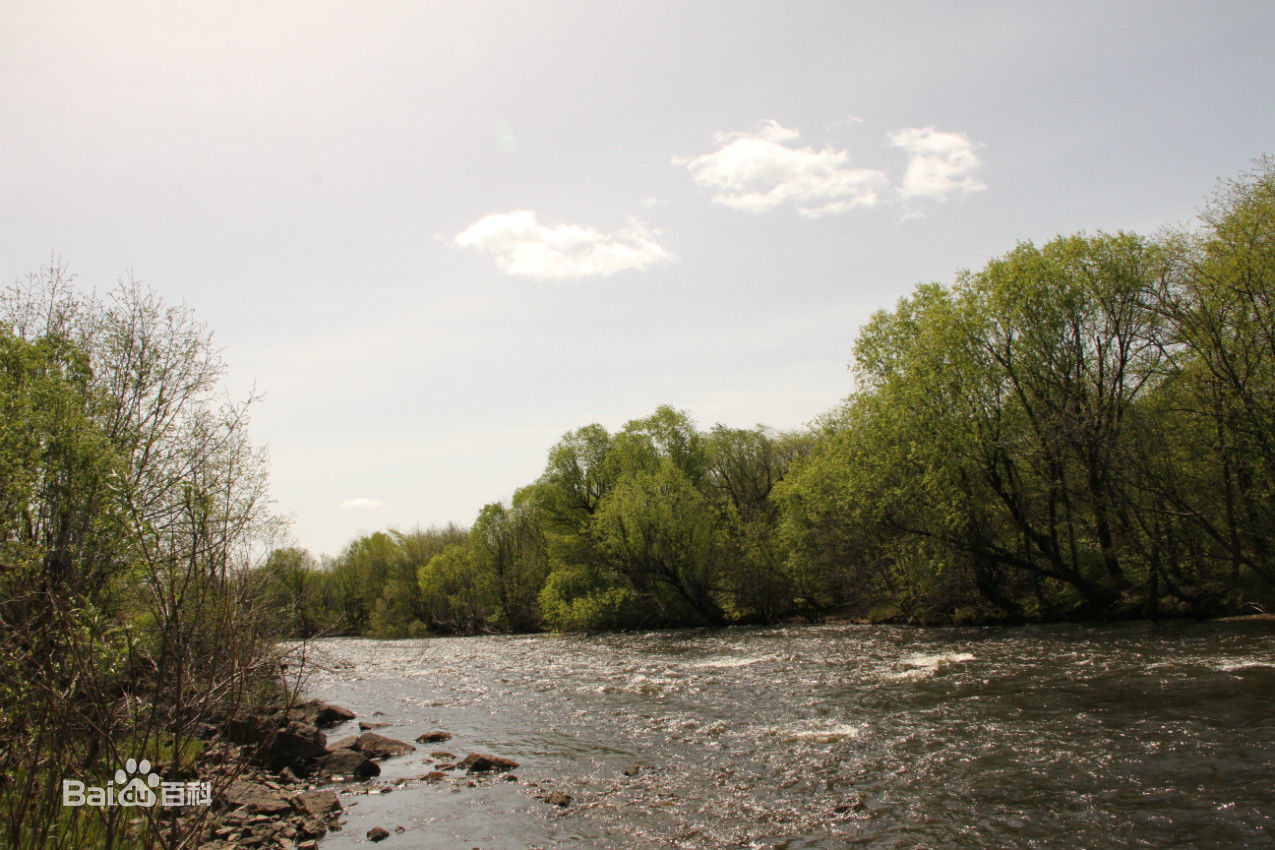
(366, 725)
(436, 737)
(348, 762)
(377, 746)
(557, 798)
(317, 803)
(435, 776)
(373, 746)
(633, 771)
(320, 714)
(443, 754)
(481, 763)
(377, 833)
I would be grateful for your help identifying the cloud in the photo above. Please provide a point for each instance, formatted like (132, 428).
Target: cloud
(522, 246)
(939, 164)
(757, 172)
(361, 504)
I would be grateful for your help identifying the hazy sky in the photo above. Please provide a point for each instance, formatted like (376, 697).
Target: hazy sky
(439, 235)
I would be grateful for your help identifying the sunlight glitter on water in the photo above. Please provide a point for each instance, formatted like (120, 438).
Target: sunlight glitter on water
(809, 737)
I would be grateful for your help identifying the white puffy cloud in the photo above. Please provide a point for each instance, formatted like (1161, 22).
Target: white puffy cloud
(939, 164)
(522, 246)
(361, 504)
(757, 172)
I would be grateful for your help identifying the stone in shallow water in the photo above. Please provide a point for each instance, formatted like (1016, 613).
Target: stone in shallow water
(377, 746)
(349, 763)
(320, 713)
(480, 762)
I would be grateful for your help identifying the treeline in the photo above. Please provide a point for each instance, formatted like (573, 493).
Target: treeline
(657, 524)
(1081, 429)
(130, 503)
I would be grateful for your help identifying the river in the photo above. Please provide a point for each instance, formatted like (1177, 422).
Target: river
(829, 736)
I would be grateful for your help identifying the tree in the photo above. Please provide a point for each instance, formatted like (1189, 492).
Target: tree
(132, 505)
(663, 537)
(510, 545)
(1220, 309)
(291, 588)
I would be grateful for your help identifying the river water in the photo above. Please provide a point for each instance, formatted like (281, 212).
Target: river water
(825, 737)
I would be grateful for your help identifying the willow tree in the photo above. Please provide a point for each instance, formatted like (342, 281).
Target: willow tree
(1219, 310)
(988, 432)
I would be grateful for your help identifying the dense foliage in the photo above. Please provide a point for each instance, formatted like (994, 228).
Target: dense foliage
(1080, 429)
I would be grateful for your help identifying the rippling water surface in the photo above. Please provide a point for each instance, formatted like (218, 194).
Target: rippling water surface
(827, 737)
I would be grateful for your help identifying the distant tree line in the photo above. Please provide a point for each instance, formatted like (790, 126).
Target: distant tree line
(1081, 429)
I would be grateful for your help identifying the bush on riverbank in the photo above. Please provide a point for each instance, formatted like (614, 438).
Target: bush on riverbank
(130, 499)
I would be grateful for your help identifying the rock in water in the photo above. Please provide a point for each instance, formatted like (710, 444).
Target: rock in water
(433, 737)
(349, 763)
(320, 713)
(480, 763)
(377, 746)
(378, 833)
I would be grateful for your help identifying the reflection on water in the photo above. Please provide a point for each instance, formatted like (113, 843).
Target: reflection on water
(829, 737)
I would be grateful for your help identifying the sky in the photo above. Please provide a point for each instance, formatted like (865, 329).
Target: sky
(437, 236)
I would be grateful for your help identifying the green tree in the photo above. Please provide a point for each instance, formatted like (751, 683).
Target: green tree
(664, 538)
(459, 596)
(131, 505)
(1221, 337)
(291, 587)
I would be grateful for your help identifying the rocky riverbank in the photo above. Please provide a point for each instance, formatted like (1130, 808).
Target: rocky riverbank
(278, 783)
